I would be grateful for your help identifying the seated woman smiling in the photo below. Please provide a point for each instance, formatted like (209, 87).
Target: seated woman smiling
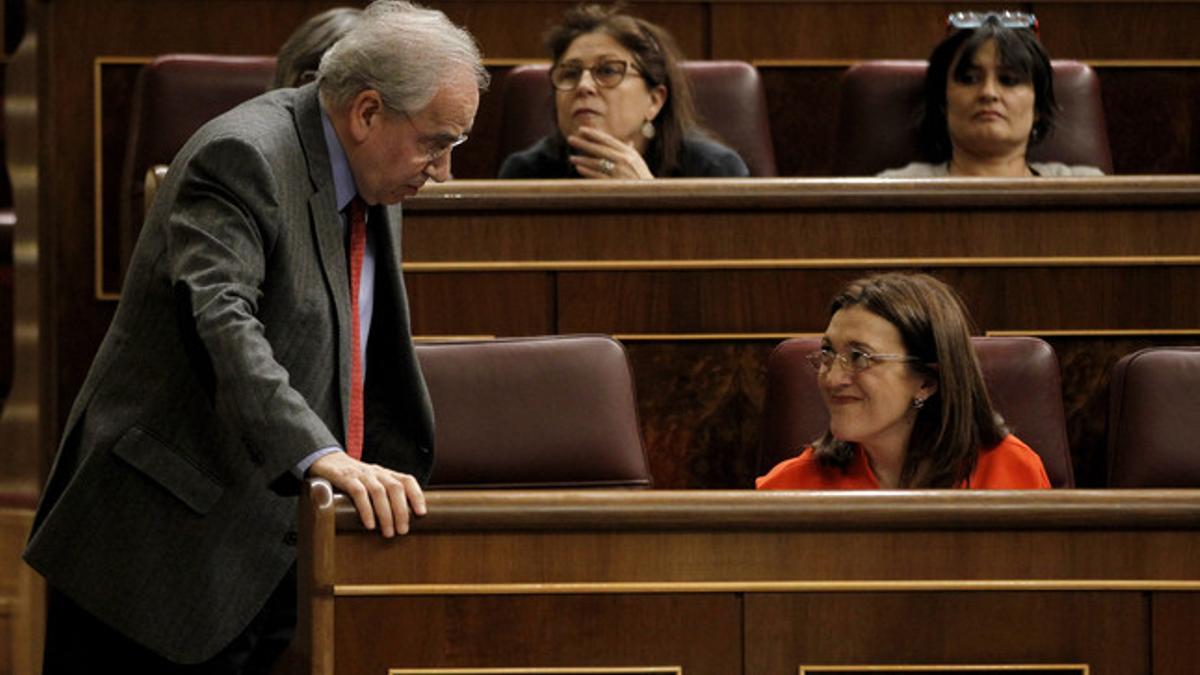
(989, 95)
(622, 104)
(907, 403)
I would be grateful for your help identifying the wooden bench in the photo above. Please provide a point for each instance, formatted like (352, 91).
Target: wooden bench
(728, 582)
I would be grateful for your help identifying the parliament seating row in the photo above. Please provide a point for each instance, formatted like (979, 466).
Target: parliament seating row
(560, 411)
(176, 94)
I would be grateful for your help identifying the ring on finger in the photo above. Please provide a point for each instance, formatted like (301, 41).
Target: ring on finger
(607, 166)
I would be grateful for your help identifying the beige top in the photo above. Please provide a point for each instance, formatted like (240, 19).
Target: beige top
(923, 170)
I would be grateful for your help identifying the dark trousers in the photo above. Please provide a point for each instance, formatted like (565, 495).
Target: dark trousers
(77, 642)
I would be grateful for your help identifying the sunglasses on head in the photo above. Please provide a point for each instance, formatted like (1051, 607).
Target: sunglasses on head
(1006, 18)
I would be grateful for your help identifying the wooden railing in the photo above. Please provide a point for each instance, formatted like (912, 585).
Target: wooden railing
(756, 583)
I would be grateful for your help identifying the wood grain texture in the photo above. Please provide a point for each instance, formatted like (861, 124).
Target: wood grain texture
(56, 94)
(516, 303)
(700, 406)
(22, 596)
(882, 30)
(1174, 619)
(1106, 631)
(739, 582)
(698, 633)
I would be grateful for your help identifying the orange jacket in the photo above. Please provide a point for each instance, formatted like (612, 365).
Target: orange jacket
(1010, 465)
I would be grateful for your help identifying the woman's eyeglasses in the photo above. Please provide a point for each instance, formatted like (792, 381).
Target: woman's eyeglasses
(855, 361)
(1007, 19)
(607, 74)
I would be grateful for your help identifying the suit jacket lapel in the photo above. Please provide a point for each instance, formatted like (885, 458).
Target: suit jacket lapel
(327, 228)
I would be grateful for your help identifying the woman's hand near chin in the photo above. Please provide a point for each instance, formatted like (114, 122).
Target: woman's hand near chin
(602, 155)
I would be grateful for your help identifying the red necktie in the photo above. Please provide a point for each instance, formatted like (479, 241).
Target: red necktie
(358, 248)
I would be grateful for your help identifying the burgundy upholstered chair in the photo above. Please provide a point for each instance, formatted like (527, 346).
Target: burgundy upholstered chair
(553, 411)
(729, 99)
(174, 96)
(881, 102)
(1154, 419)
(1022, 378)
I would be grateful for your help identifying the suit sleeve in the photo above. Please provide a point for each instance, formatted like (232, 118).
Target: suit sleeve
(219, 235)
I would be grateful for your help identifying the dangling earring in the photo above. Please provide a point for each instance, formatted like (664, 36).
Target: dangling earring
(648, 130)
(918, 403)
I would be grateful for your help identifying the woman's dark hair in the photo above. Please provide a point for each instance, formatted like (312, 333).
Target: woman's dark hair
(298, 58)
(1017, 49)
(957, 422)
(656, 57)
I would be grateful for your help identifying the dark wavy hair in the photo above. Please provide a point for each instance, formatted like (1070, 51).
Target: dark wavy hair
(1017, 49)
(658, 59)
(957, 422)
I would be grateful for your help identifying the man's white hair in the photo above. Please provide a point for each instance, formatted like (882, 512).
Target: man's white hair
(403, 51)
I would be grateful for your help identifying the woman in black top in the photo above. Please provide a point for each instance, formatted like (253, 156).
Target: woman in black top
(622, 104)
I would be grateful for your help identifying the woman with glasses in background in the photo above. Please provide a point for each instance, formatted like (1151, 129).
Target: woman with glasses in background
(623, 106)
(989, 95)
(907, 403)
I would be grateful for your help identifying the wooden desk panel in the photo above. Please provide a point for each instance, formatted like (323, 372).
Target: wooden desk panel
(523, 579)
(902, 29)
(22, 592)
(586, 633)
(1174, 617)
(1105, 631)
(799, 222)
(1013, 299)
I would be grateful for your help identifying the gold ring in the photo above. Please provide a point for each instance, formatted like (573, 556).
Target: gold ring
(607, 166)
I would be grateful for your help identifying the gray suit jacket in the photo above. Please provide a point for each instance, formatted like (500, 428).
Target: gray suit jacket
(170, 512)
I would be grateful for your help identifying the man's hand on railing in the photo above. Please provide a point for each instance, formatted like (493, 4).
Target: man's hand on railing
(378, 493)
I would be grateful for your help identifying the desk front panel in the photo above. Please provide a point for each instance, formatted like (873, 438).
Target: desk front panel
(737, 582)
(678, 633)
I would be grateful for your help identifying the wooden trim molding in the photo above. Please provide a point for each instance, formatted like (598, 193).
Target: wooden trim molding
(650, 588)
(562, 670)
(667, 510)
(1001, 669)
(808, 193)
(796, 263)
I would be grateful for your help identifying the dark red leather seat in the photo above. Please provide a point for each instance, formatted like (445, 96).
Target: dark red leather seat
(175, 95)
(881, 102)
(534, 412)
(1022, 377)
(729, 99)
(1154, 419)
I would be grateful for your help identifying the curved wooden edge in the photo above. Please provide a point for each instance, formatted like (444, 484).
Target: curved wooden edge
(311, 652)
(611, 510)
(811, 193)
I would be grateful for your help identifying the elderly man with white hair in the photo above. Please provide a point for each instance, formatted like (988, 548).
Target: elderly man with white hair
(262, 337)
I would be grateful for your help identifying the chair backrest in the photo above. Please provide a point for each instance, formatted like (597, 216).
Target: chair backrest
(881, 103)
(534, 412)
(1022, 378)
(1154, 419)
(174, 96)
(729, 99)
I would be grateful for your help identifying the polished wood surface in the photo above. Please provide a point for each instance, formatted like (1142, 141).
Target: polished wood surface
(1174, 620)
(22, 601)
(557, 578)
(982, 628)
(28, 422)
